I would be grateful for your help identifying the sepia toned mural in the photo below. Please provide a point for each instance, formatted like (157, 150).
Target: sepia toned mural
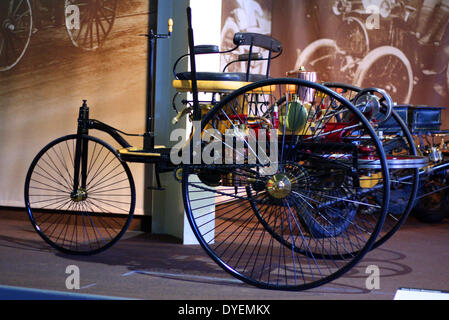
(54, 54)
(243, 16)
(87, 23)
(399, 45)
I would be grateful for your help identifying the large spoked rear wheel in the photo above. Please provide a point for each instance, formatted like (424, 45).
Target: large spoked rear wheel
(95, 215)
(279, 214)
(402, 159)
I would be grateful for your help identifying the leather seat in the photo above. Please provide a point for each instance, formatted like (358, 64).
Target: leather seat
(221, 76)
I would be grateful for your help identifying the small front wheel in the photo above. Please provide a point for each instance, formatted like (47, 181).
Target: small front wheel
(94, 216)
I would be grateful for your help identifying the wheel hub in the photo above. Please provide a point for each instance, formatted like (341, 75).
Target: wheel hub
(79, 195)
(279, 186)
(8, 25)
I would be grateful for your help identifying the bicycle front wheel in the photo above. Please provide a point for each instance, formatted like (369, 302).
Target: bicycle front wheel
(91, 218)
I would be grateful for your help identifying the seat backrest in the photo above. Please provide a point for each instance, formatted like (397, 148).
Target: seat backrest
(253, 40)
(258, 40)
(188, 81)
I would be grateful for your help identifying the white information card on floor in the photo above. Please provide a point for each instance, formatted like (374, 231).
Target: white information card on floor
(420, 294)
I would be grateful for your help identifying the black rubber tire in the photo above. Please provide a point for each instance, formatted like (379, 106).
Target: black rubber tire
(86, 226)
(405, 198)
(240, 235)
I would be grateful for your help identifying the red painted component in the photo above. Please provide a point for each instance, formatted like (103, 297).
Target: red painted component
(276, 117)
(338, 127)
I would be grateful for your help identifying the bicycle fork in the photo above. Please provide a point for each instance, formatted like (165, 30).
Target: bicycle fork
(79, 192)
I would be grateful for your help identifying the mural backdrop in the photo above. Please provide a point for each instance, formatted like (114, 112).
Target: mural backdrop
(398, 45)
(48, 63)
(243, 16)
(53, 54)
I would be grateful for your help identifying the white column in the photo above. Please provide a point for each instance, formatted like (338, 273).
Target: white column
(168, 208)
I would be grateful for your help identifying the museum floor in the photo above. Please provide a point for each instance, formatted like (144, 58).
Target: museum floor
(145, 266)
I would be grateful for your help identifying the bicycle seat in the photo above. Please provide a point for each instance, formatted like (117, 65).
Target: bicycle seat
(229, 81)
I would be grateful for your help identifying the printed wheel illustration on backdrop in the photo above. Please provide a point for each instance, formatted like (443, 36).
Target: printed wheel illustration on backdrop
(384, 67)
(91, 22)
(16, 26)
(96, 20)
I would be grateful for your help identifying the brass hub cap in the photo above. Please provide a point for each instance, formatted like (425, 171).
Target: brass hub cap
(80, 195)
(279, 186)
